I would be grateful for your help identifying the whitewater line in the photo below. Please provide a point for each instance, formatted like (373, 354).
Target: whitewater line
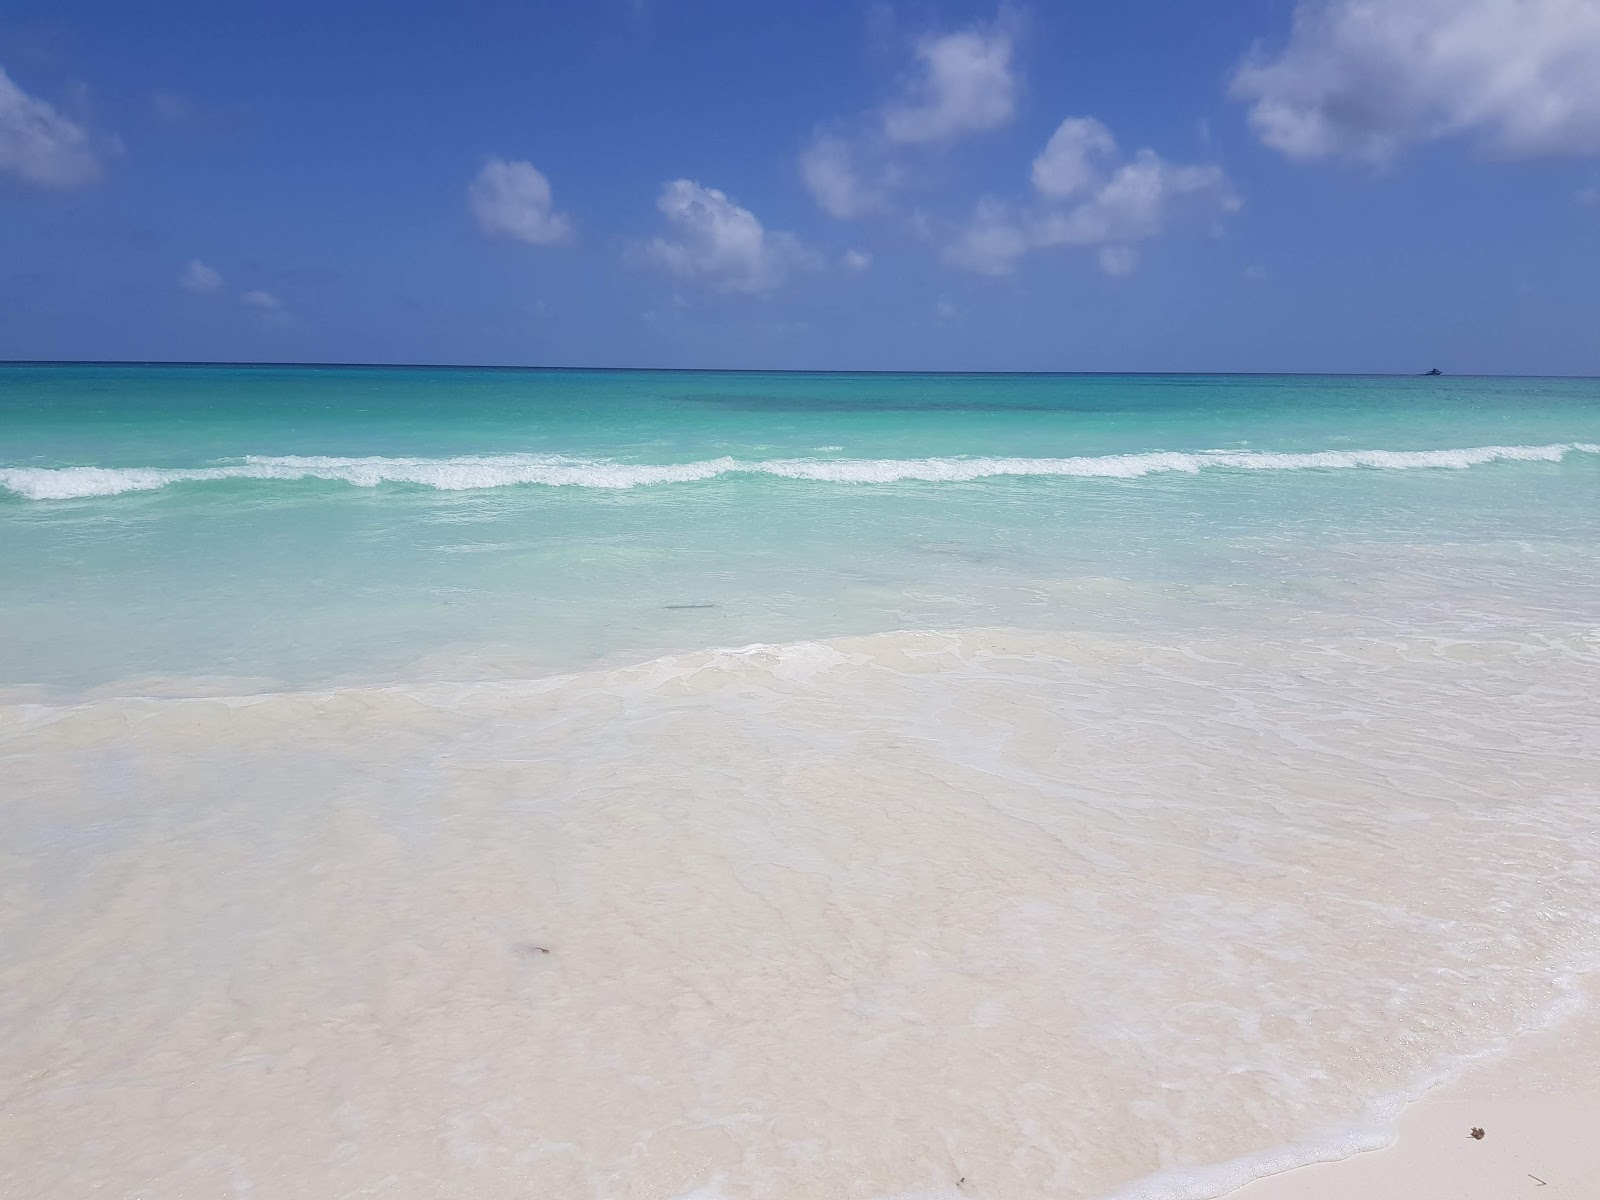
(509, 470)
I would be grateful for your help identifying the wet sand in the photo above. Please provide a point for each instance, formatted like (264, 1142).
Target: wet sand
(1538, 1108)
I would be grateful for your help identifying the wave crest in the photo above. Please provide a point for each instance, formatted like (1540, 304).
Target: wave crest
(508, 470)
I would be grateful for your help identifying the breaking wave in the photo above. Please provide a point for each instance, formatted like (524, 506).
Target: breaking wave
(509, 470)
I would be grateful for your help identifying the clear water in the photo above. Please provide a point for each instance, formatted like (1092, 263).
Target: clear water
(419, 553)
(672, 785)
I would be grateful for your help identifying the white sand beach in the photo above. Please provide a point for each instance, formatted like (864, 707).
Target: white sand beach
(1538, 1108)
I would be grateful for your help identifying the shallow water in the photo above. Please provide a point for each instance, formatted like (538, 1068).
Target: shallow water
(1068, 833)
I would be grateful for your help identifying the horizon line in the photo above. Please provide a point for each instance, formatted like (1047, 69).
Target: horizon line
(419, 366)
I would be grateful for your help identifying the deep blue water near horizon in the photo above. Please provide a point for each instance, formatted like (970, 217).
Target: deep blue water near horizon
(298, 525)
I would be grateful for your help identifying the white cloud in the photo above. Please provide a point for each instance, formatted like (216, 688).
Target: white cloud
(1073, 160)
(200, 279)
(264, 301)
(829, 168)
(1362, 79)
(39, 145)
(512, 198)
(960, 84)
(963, 84)
(1135, 202)
(1089, 196)
(721, 243)
(856, 261)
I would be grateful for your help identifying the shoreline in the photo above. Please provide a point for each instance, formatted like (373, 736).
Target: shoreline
(1537, 1104)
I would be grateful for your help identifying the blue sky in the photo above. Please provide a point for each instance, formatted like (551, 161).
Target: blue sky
(1260, 185)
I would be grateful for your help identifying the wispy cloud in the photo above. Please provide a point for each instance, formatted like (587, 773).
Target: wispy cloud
(41, 146)
(200, 279)
(171, 108)
(844, 179)
(1362, 80)
(959, 83)
(261, 301)
(512, 198)
(1118, 260)
(993, 242)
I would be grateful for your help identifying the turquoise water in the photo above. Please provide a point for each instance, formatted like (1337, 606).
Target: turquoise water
(381, 524)
(677, 785)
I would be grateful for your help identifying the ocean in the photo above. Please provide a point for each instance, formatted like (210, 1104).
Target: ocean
(593, 784)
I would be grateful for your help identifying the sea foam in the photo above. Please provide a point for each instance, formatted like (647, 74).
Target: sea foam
(509, 470)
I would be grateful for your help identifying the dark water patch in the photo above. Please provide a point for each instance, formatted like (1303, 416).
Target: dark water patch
(804, 404)
(959, 550)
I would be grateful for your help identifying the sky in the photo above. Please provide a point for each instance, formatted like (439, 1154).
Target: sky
(1146, 185)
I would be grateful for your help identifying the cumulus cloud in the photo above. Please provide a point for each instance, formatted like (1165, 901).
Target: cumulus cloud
(200, 279)
(1073, 160)
(1362, 79)
(1087, 194)
(856, 261)
(717, 242)
(961, 83)
(1135, 201)
(39, 145)
(263, 301)
(511, 198)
